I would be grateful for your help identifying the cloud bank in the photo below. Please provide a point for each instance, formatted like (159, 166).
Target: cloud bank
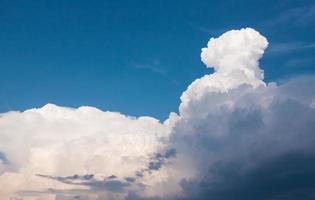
(235, 137)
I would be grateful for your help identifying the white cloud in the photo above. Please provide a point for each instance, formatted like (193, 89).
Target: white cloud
(234, 57)
(61, 141)
(230, 124)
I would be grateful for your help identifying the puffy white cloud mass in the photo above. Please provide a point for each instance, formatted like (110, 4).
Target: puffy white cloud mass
(235, 137)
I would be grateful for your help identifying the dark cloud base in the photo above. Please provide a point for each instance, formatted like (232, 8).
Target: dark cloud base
(289, 176)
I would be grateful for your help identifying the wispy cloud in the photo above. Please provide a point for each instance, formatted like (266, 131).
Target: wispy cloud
(152, 65)
(299, 16)
(298, 62)
(288, 47)
(214, 32)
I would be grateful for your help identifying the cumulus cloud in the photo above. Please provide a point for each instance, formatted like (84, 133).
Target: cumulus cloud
(235, 137)
(234, 57)
(58, 141)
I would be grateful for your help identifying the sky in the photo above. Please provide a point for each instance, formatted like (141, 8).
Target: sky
(157, 100)
(107, 53)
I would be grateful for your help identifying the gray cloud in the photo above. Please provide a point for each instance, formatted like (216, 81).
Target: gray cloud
(261, 153)
(109, 183)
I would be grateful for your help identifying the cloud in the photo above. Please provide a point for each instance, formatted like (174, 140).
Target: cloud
(154, 66)
(235, 137)
(3, 158)
(302, 16)
(289, 47)
(239, 138)
(60, 142)
(234, 57)
(300, 62)
(110, 184)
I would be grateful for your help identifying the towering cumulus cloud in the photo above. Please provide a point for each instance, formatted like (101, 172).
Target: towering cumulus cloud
(235, 137)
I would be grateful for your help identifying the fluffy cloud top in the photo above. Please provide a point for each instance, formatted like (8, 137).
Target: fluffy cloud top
(234, 57)
(236, 51)
(235, 137)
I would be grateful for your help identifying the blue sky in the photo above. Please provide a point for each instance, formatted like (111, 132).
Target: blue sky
(135, 57)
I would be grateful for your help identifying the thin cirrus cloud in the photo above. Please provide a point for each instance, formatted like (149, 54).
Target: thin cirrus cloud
(290, 47)
(235, 137)
(299, 16)
(153, 66)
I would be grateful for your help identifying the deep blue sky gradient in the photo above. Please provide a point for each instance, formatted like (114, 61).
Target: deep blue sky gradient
(135, 57)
